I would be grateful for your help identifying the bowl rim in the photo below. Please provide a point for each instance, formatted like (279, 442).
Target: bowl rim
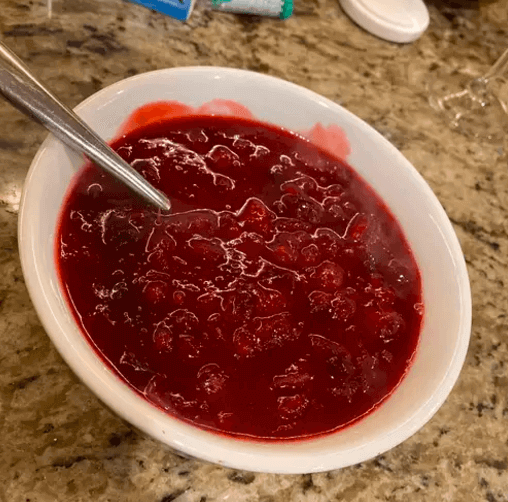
(190, 439)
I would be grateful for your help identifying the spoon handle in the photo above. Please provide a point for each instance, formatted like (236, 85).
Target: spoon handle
(27, 94)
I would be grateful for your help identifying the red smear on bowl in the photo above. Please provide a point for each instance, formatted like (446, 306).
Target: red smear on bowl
(331, 138)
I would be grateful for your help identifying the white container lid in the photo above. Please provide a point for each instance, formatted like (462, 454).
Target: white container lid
(399, 21)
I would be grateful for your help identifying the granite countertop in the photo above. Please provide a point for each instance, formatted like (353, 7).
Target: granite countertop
(59, 443)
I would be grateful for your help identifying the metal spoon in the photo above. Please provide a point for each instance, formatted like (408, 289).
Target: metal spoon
(27, 94)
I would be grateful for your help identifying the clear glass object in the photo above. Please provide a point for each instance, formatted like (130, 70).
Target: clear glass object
(476, 108)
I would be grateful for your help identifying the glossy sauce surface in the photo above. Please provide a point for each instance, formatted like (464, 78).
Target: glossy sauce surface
(280, 298)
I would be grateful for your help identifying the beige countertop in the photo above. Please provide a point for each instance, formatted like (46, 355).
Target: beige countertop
(59, 443)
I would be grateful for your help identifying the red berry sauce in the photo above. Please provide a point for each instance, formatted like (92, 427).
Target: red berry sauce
(279, 299)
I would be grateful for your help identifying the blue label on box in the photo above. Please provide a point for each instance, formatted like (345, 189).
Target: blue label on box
(179, 9)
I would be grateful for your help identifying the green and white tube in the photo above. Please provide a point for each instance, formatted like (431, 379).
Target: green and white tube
(279, 8)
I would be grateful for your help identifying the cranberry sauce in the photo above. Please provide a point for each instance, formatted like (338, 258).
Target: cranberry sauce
(279, 299)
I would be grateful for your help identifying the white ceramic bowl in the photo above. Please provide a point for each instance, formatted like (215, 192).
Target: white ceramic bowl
(447, 321)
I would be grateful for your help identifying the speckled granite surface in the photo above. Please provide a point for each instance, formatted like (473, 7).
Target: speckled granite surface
(58, 443)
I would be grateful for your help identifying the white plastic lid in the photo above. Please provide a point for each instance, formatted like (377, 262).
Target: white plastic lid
(394, 20)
